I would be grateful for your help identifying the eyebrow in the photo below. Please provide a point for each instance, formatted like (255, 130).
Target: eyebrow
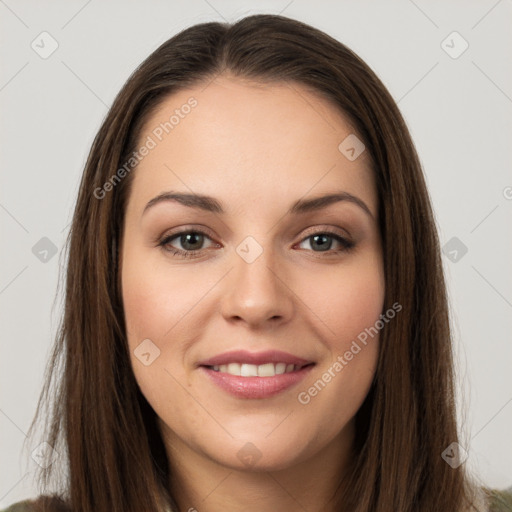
(210, 204)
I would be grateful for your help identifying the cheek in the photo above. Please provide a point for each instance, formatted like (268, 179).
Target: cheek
(151, 308)
(155, 304)
(348, 304)
(146, 303)
(346, 300)
(162, 304)
(155, 298)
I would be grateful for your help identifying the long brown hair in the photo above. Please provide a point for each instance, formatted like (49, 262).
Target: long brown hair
(101, 423)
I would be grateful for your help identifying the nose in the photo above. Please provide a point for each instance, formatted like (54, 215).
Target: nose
(257, 293)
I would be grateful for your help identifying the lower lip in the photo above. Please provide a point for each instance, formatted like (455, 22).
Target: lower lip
(256, 387)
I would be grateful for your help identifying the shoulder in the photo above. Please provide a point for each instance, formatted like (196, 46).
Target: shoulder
(500, 500)
(40, 504)
(21, 506)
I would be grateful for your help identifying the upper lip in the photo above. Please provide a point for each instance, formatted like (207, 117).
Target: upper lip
(257, 358)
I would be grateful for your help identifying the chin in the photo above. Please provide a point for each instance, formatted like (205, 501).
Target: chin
(265, 463)
(259, 454)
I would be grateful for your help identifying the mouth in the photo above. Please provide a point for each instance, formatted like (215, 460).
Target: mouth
(247, 360)
(269, 369)
(255, 375)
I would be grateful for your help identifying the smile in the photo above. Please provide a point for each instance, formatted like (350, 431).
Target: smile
(252, 381)
(253, 370)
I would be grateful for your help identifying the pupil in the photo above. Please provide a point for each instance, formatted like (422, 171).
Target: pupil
(188, 239)
(323, 246)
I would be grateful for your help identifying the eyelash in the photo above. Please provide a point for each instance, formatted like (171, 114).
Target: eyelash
(164, 242)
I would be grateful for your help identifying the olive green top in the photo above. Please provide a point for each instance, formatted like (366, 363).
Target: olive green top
(500, 501)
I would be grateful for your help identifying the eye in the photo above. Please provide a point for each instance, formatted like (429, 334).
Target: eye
(191, 242)
(323, 241)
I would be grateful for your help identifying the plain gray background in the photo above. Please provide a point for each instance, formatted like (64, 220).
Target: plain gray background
(458, 107)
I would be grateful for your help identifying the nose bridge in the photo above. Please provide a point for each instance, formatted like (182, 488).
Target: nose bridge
(256, 292)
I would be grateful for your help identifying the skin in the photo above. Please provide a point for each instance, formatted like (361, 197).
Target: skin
(257, 149)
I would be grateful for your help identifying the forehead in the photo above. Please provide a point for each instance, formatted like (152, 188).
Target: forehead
(241, 139)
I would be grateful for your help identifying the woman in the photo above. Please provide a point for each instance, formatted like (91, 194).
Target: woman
(255, 314)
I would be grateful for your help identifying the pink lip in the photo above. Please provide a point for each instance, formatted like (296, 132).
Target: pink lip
(256, 387)
(243, 356)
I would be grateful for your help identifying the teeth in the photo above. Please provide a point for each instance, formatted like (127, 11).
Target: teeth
(280, 368)
(253, 370)
(233, 368)
(266, 370)
(246, 370)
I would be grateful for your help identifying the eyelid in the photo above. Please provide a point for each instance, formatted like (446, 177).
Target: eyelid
(347, 243)
(313, 230)
(198, 228)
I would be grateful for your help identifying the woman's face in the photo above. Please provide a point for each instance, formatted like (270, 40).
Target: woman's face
(286, 283)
